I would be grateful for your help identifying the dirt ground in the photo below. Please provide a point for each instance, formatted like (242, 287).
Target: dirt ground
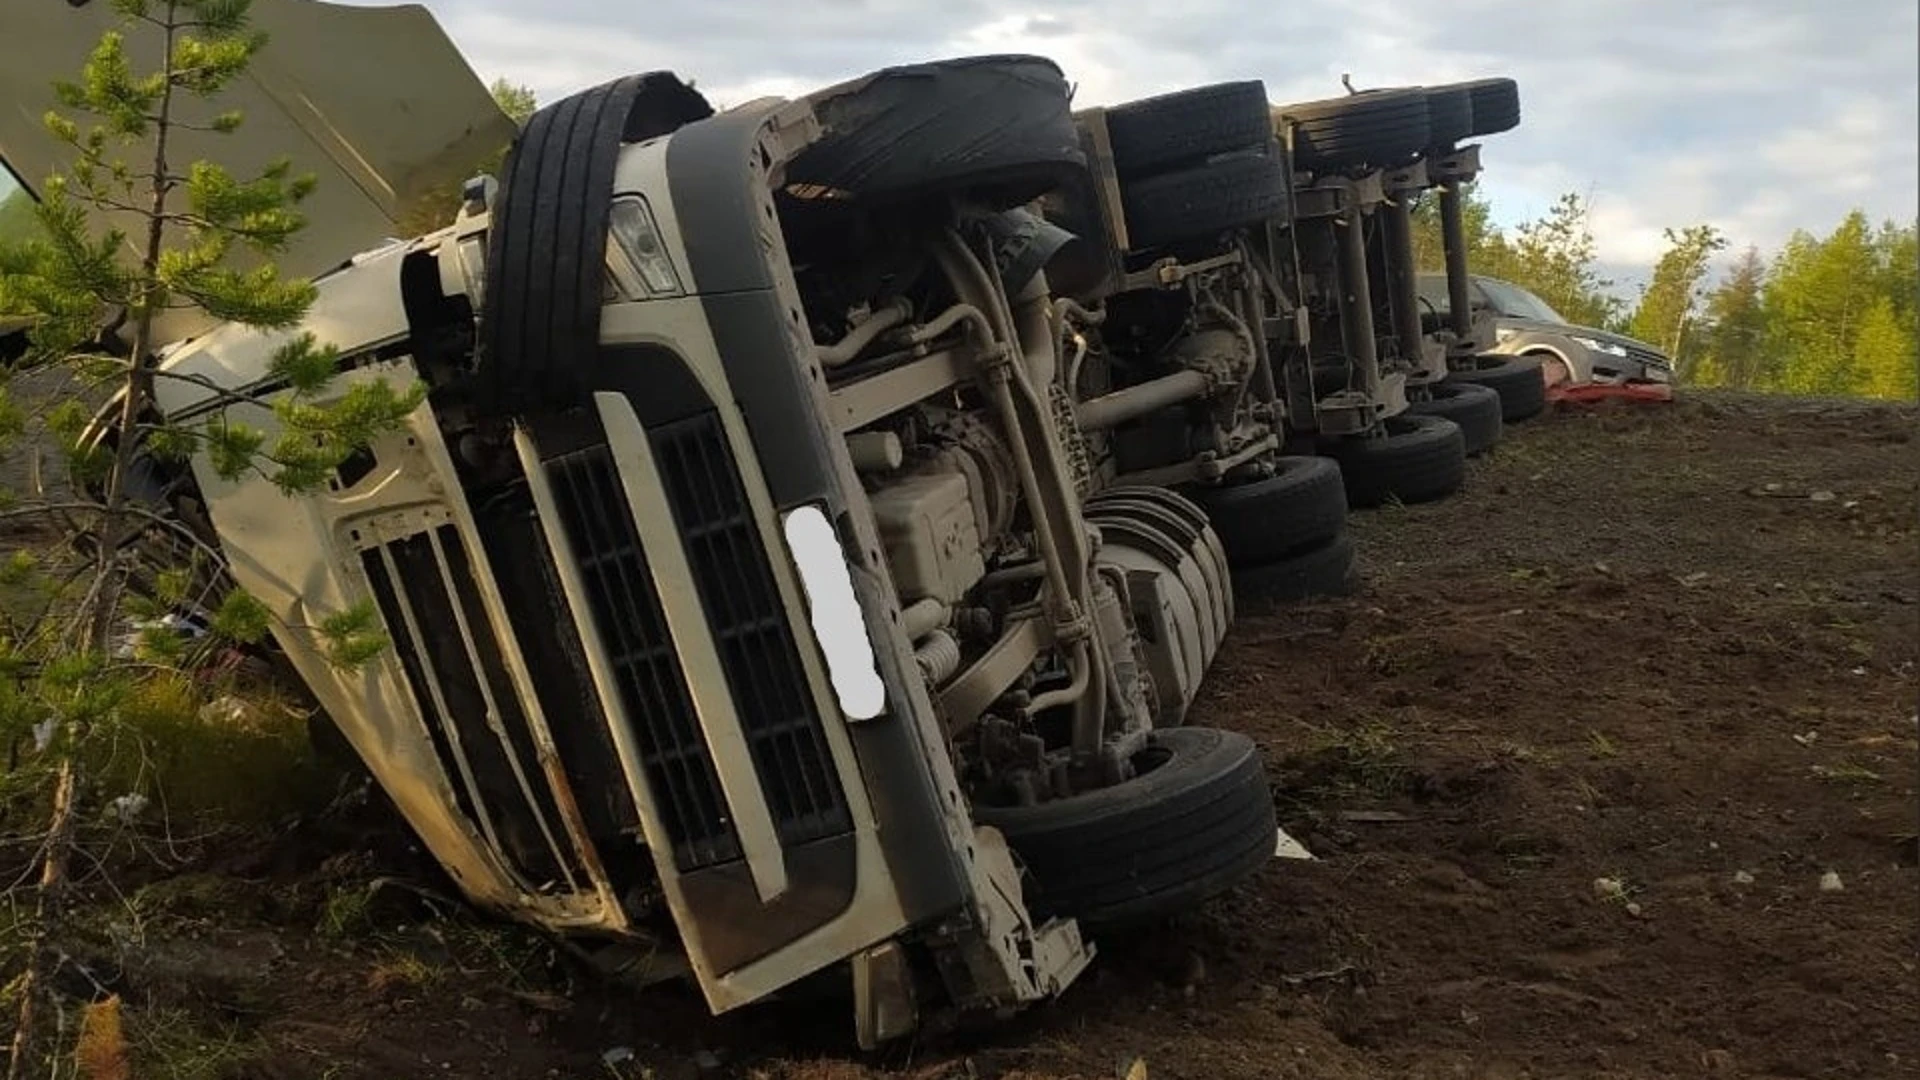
(1574, 764)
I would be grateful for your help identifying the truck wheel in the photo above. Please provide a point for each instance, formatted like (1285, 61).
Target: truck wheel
(546, 250)
(1381, 128)
(1496, 104)
(998, 127)
(1450, 114)
(1198, 203)
(1327, 570)
(1299, 506)
(1195, 822)
(1416, 459)
(1183, 128)
(1476, 408)
(1518, 380)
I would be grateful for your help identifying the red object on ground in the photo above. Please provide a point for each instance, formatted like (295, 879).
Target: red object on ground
(1592, 392)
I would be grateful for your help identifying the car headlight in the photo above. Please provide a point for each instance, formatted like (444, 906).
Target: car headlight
(1596, 345)
(834, 611)
(1505, 333)
(636, 255)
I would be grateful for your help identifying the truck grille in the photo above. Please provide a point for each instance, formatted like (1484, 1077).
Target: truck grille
(467, 700)
(750, 625)
(633, 627)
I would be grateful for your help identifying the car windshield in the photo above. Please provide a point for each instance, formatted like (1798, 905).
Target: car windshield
(1512, 300)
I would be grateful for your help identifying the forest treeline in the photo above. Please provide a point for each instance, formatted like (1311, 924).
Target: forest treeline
(1829, 315)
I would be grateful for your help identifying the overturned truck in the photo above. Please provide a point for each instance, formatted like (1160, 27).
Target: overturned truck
(823, 516)
(754, 595)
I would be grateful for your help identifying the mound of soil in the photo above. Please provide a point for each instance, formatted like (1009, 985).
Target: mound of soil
(1575, 765)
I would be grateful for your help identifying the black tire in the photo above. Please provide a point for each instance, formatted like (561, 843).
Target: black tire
(1415, 459)
(1327, 570)
(546, 250)
(1158, 845)
(1496, 104)
(1186, 127)
(1518, 380)
(1449, 114)
(1381, 129)
(996, 127)
(1477, 409)
(1194, 204)
(1304, 503)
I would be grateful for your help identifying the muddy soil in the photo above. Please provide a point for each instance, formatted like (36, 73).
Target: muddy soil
(1574, 764)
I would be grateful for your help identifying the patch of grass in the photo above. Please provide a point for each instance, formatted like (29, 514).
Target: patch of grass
(202, 754)
(509, 951)
(1401, 654)
(1847, 772)
(1517, 755)
(401, 969)
(348, 912)
(1588, 795)
(194, 896)
(1363, 758)
(170, 1044)
(1601, 745)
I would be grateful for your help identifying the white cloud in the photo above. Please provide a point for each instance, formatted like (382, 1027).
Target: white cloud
(1758, 116)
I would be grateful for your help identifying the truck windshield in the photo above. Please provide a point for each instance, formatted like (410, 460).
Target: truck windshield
(1517, 302)
(17, 221)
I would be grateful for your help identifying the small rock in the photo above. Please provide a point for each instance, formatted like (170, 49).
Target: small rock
(1830, 883)
(1191, 972)
(1770, 487)
(1741, 877)
(1822, 496)
(1808, 739)
(1713, 845)
(1634, 909)
(127, 807)
(1607, 888)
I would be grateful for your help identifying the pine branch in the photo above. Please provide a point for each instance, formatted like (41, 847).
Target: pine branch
(141, 513)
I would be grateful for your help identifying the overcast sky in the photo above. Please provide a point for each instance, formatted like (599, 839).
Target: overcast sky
(1759, 116)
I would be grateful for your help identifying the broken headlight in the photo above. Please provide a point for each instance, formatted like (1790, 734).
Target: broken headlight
(637, 258)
